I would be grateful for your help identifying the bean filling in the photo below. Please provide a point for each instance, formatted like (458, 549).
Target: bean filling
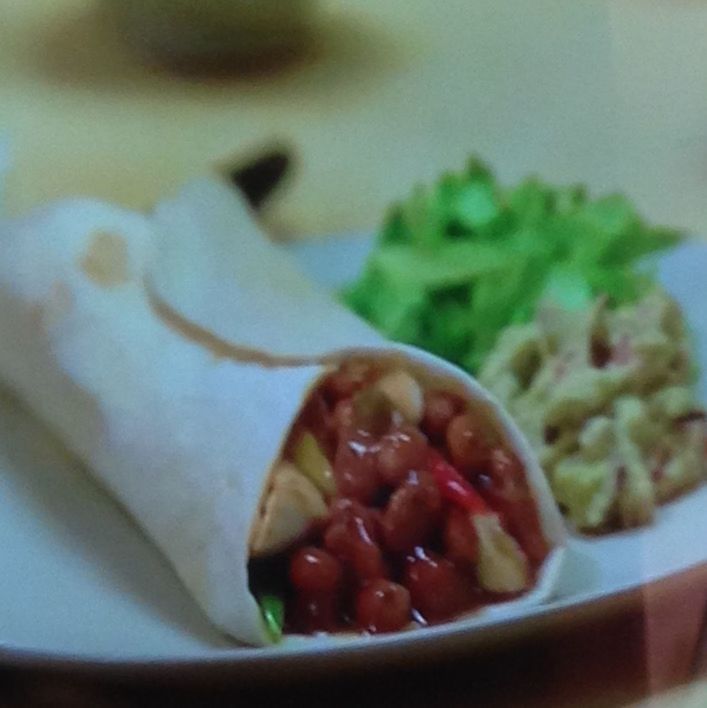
(426, 513)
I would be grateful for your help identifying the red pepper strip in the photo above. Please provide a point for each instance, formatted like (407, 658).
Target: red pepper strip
(454, 487)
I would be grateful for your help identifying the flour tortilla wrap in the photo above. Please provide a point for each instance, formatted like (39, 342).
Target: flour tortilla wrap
(216, 269)
(172, 418)
(219, 275)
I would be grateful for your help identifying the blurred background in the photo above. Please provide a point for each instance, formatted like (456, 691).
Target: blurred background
(378, 96)
(126, 99)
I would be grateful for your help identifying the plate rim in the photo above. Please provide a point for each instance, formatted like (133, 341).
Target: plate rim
(252, 665)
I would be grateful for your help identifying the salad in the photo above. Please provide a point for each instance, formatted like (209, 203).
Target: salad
(544, 293)
(464, 258)
(606, 399)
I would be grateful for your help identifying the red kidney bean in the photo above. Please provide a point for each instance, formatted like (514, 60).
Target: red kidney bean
(382, 606)
(349, 378)
(507, 473)
(366, 558)
(316, 612)
(356, 468)
(399, 452)
(460, 539)
(467, 442)
(344, 417)
(440, 408)
(351, 538)
(317, 419)
(438, 589)
(373, 412)
(315, 415)
(313, 570)
(412, 513)
(509, 493)
(343, 508)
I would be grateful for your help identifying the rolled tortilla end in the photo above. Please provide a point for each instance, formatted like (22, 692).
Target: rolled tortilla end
(188, 437)
(503, 565)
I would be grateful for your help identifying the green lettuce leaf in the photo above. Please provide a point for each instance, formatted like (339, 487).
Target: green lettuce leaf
(463, 258)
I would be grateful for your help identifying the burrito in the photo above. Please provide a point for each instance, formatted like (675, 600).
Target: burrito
(300, 473)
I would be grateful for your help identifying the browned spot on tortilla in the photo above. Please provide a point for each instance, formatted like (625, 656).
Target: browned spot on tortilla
(217, 346)
(106, 260)
(223, 349)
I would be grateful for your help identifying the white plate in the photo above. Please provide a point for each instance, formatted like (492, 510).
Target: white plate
(80, 586)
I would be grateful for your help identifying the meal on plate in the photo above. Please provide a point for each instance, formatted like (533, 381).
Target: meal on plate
(299, 472)
(606, 398)
(548, 294)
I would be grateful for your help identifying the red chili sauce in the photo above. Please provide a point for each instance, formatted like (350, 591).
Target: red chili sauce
(393, 549)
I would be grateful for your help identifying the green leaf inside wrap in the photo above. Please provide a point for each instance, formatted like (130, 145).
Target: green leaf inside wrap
(273, 611)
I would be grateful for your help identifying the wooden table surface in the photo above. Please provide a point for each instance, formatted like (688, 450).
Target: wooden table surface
(607, 92)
